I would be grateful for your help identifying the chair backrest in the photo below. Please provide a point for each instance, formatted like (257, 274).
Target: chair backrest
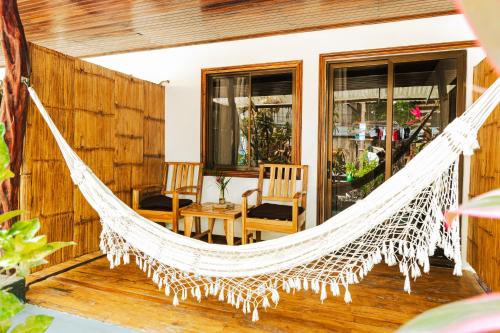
(283, 181)
(180, 174)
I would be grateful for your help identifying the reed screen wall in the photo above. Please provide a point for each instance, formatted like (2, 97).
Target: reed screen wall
(484, 234)
(116, 125)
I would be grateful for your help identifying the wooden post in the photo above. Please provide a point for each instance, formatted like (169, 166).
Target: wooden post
(15, 97)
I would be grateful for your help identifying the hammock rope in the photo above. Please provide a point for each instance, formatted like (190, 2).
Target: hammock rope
(400, 223)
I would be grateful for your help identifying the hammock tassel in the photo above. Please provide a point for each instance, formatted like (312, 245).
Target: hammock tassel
(175, 301)
(427, 265)
(275, 296)
(197, 293)
(306, 284)
(347, 295)
(184, 294)
(221, 294)
(415, 271)
(239, 299)
(407, 285)
(334, 288)
(323, 291)
(255, 314)
(457, 270)
(233, 298)
(298, 284)
(265, 302)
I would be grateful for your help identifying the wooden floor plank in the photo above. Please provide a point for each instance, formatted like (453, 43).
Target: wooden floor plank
(125, 296)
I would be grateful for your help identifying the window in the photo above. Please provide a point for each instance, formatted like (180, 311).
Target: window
(250, 116)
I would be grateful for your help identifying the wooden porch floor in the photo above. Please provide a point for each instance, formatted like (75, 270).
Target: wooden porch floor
(124, 296)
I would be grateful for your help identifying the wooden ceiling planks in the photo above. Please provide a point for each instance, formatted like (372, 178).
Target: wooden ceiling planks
(98, 27)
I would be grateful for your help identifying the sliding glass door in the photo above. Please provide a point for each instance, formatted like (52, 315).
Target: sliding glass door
(380, 114)
(357, 128)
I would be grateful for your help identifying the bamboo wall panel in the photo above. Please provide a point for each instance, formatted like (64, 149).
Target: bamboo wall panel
(101, 113)
(484, 234)
(154, 138)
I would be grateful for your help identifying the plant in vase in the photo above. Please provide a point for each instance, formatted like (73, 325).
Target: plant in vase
(222, 182)
(350, 168)
(20, 250)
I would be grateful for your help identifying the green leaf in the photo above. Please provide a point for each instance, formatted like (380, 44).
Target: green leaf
(28, 228)
(26, 246)
(5, 174)
(10, 259)
(48, 249)
(34, 324)
(5, 325)
(4, 154)
(9, 215)
(9, 305)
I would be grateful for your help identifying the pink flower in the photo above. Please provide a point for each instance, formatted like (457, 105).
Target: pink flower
(416, 112)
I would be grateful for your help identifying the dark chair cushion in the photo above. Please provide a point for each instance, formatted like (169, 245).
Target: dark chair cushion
(162, 202)
(273, 212)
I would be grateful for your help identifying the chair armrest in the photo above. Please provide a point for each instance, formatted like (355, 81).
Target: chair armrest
(139, 193)
(249, 192)
(298, 195)
(184, 189)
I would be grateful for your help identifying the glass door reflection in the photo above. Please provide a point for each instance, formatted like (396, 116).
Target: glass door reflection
(358, 132)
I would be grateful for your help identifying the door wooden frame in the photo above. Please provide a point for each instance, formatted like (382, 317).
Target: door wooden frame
(392, 55)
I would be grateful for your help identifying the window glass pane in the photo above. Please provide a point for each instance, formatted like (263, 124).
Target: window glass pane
(358, 133)
(424, 104)
(228, 121)
(271, 118)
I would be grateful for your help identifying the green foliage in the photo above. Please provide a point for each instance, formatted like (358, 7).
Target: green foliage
(10, 306)
(270, 142)
(20, 250)
(339, 164)
(401, 112)
(5, 173)
(350, 168)
(34, 324)
(364, 165)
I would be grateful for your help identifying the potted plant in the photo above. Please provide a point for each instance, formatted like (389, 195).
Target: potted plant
(222, 182)
(20, 250)
(350, 168)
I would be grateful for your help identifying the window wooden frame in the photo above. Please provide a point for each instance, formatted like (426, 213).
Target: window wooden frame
(391, 55)
(295, 65)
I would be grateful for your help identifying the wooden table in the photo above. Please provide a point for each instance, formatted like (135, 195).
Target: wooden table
(228, 215)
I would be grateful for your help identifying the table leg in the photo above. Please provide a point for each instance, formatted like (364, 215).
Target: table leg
(211, 222)
(188, 225)
(229, 231)
(197, 225)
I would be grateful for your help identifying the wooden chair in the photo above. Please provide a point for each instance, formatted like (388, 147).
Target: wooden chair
(282, 188)
(162, 203)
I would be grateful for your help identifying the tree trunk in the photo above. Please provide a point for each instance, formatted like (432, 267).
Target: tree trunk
(15, 97)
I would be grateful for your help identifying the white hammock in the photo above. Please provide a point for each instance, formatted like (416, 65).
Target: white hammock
(400, 222)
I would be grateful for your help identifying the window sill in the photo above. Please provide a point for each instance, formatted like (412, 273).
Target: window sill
(232, 173)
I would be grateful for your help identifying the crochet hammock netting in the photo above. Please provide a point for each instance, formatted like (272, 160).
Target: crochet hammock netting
(400, 223)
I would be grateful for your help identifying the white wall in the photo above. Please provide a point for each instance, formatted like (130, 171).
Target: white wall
(182, 66)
